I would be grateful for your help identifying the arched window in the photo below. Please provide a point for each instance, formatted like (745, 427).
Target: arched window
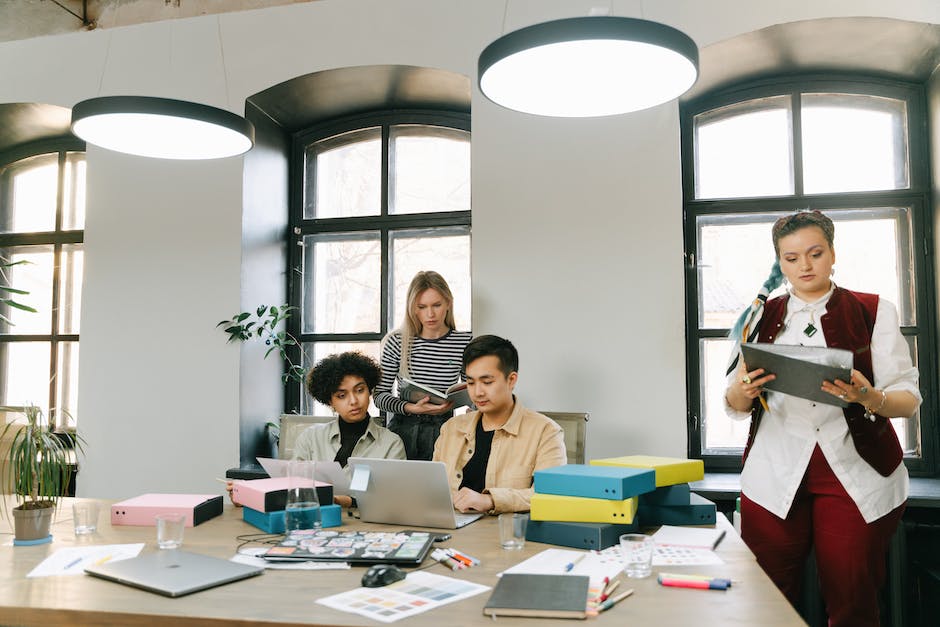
(853, 148)
(42, 221)
(376, 198)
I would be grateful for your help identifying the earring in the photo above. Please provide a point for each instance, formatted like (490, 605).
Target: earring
(832, 271)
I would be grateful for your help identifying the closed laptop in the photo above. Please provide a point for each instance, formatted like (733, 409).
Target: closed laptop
(173, 573)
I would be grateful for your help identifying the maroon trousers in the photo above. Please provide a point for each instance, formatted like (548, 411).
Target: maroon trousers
(850, 553)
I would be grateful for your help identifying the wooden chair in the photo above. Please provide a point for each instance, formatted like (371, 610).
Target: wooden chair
(574, 425)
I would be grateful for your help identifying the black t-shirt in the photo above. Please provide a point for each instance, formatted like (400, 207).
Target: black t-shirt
(349, 434)
(474, 472)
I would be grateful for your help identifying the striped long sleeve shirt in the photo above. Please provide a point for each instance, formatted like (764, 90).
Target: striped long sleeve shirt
(434, 363)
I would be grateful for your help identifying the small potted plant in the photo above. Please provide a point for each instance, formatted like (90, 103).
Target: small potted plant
(37, 471)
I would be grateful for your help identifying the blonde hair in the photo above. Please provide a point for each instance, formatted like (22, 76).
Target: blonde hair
(411, 326)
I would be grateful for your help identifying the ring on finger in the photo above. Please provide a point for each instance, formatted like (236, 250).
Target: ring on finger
(842, 396)
(746, 380)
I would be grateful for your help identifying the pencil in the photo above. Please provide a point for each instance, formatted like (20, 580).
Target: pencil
(570, 566)
(609, 603)
(609, 590)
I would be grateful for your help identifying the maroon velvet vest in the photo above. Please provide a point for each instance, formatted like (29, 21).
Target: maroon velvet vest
(848, 323)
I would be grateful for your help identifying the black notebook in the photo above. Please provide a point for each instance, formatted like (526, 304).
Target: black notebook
(551, 596)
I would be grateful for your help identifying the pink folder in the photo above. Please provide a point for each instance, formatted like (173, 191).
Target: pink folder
(141, 510)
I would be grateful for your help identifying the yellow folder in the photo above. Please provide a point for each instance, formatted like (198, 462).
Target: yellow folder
(580, 509)
(669, 470)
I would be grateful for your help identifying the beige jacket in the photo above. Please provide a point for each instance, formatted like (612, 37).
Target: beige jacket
(321, 442)
(527, 442)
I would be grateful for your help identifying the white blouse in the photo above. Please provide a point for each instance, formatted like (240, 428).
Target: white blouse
(792, 427)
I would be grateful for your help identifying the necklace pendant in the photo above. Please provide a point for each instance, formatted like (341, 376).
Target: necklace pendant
(810, 330)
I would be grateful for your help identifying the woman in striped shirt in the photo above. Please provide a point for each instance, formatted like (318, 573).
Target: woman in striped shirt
(428, 350)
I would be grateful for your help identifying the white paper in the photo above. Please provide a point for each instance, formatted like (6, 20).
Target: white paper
(328, 472)
(692, 537)
(596, 565)
(252, 558)
(669, 555)
(74, 560)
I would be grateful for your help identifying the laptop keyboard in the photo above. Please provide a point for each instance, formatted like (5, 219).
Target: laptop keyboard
(466, 519)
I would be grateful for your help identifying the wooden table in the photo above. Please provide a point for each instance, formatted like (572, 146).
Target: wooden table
(288, 597)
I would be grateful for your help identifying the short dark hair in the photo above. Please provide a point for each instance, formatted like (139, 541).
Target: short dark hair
(800, 220)
(327, 375)
(494, 345)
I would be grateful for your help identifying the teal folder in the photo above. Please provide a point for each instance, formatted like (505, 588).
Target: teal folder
(677, 494)
(273, 522)
(700, 511)
(577, 535)
(615, 483)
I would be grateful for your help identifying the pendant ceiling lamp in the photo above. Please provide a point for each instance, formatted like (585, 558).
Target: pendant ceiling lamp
(161, 127)
(588, 67)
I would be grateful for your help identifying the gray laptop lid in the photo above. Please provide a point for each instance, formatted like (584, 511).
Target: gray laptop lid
(404, 492)
(173, 573)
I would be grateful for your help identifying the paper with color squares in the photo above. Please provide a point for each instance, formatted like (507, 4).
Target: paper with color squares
(417, 593)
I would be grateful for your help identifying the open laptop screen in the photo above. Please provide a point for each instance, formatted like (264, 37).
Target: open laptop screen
(404, 492)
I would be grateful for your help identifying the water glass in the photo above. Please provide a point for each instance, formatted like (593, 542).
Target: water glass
(170, 530)
(85, 517)
(637, 550)
(512, 530)
(302, 512)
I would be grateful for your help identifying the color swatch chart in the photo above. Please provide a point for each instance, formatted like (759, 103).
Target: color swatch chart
(418, 592)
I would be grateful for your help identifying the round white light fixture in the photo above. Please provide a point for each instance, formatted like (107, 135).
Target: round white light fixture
(161, 127)
(588, 67)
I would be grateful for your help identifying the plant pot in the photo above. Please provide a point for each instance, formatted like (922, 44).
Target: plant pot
(32, 523)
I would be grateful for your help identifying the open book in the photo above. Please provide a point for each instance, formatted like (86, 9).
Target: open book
(412, 391)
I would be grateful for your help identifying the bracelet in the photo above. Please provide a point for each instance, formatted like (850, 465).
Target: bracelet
(870, 413)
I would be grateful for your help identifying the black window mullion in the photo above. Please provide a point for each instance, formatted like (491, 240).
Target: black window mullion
(796, 111)
(385, 277)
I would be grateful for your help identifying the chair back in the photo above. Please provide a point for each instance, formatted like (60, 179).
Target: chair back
(293, 424)
(574, 424)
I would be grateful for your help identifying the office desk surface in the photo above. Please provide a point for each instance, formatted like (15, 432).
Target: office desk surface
(283, 597)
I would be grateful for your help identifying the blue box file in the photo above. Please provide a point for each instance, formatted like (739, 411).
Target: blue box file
(595, 536)
(700, 511)
(615, 483)
(273, 522)
(678, 494)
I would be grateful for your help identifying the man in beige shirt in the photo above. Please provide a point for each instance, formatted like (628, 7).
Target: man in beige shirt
(492, 453)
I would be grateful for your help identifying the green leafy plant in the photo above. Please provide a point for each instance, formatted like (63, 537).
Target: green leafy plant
(39, 464)
(267, 323)
(8, 292)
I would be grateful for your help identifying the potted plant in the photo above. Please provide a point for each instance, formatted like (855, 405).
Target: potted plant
(37, 471)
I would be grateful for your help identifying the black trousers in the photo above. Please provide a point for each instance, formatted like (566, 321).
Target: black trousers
(418, 433)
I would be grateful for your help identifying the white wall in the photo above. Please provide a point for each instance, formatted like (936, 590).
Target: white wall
(577, 231)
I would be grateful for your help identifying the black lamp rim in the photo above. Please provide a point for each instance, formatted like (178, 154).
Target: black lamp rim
(581, 28)
(104, 105)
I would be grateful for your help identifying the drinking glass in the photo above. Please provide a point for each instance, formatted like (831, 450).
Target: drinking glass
(637, 550)
(302, 512)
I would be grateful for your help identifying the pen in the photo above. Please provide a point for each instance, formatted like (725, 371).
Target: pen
(714, 584)
(104, 559)
(685, 577)
(452, 559)
(609, 590)
(609, 603)
(570, 566)
(463, 559)
(445, 560)
(470, 560)
(73, 562)
(718, 541)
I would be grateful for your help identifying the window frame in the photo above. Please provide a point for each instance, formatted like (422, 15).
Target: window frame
(57, 238)
(917, 196)
(385, 222)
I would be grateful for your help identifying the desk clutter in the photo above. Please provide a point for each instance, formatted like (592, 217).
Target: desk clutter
(591, 506)
(264, 502)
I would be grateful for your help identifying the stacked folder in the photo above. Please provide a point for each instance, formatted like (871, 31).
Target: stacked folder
(586, 507)
(264, 500)
(672, 502)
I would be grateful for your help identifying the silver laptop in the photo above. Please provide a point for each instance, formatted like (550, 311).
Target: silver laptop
(405, 492)
(173, 573)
